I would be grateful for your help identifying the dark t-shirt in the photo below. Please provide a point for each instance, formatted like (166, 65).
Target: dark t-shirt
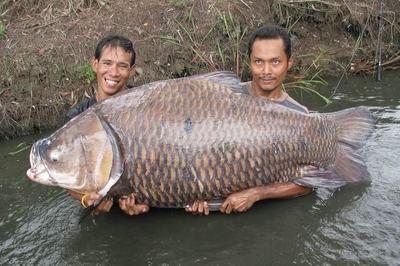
(79, 108)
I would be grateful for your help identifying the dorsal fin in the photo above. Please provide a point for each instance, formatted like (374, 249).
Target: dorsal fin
(225, 78)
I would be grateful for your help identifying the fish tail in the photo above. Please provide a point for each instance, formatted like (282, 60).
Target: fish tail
(355, 126)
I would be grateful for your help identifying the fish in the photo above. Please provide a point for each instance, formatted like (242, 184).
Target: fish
(173, 142)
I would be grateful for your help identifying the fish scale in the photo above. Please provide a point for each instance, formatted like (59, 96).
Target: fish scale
(201, 163)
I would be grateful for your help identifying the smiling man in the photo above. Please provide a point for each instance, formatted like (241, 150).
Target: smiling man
(269, 51)
(114, 64)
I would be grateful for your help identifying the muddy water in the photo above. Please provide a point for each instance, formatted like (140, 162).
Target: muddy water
(354, 225)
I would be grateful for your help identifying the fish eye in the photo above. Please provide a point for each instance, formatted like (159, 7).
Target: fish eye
(54, 158)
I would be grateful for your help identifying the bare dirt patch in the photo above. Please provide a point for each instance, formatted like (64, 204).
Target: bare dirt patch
(46, 44)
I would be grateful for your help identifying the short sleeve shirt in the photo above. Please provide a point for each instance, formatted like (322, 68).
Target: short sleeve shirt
(284, 100)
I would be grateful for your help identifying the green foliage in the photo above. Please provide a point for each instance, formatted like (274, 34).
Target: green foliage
(178, 3)
(235, 32)
(2, 30)
(311, 78)
(86, 73)
(217, 46)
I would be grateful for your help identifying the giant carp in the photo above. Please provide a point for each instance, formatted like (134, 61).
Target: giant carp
(203, 137)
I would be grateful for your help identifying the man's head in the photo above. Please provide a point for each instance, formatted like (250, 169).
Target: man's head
(269, 51)
(113, 63)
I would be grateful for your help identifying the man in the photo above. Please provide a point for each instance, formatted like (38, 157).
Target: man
(269, 51)
(114, 64)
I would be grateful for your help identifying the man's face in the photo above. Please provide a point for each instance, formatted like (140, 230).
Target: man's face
(112, 71)
(269, 64)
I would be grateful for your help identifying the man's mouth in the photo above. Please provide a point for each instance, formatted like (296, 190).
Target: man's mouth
(267, 79)
(111, 82)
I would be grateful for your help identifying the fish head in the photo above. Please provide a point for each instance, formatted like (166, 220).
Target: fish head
(81, 156)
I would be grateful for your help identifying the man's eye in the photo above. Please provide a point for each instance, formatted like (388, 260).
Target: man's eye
(275, 62)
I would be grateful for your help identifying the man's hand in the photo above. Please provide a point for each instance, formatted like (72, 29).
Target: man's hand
(198, 207)
(239, 201)
(128, 205)
(89, 199)
(104, 206)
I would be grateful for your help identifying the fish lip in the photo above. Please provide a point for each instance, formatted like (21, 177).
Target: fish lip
(30, 173)
(36, 159)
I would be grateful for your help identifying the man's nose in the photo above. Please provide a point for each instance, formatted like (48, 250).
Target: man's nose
(267, 69)
(113, 70)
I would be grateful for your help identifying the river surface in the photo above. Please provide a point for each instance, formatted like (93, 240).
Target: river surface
(358, 224)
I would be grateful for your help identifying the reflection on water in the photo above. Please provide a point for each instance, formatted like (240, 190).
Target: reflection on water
(354, 225)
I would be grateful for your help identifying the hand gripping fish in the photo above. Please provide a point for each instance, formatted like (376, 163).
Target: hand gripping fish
(176, 141)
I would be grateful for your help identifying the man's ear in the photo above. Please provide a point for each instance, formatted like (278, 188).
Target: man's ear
(132, 71)
(290, 63)
(95, 64)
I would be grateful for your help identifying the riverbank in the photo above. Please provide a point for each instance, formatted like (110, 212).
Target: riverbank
(46, 45)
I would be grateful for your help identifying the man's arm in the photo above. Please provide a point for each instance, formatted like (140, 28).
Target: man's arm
(243, 200)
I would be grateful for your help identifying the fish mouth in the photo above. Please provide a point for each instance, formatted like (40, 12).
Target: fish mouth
(38, 171)
(31, 173)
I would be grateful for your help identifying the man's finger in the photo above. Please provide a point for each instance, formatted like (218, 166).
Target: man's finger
(206, 209)
(195, 207)
(228, 209)
(224, 205)
(122, 203)
(142, 208)
(200, 210)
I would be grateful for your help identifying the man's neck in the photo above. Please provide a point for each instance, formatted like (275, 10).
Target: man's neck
(100, 97)
(274, 94)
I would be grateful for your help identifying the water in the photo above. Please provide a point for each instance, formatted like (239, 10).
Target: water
(357, 224)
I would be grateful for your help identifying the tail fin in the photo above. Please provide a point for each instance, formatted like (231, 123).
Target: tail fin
(355, 125)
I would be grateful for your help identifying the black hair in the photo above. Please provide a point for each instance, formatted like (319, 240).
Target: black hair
(271, 32)
(115, 41)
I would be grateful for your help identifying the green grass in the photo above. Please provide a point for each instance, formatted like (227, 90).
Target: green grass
(178, 3)
(86, 73)
(311, 78)
(235, 32)
(2, 30)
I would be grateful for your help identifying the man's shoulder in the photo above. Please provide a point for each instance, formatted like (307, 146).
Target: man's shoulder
(245, 87)
(293, 104)
(79, 108)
